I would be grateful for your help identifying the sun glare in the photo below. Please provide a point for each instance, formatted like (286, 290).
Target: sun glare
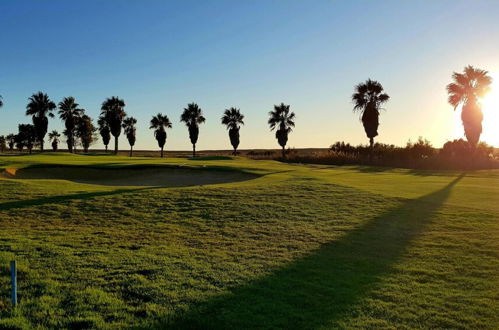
(490, 108)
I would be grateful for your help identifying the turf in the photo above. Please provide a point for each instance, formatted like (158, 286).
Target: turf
(292, 246)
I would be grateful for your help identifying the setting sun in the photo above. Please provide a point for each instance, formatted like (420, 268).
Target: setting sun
(491, 113)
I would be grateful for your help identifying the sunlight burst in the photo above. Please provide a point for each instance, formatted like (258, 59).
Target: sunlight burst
(490, 110)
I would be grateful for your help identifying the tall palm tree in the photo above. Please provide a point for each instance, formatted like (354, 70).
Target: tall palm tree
(3, 143)
(192, 117)
(104, 130)
(54, 137)
(85, 131)
(233, 119)
(160, 123)
(70, 113)
(11, 141)
(284, 120)
(113, 110)
(130, 130)
(466, 89)
(39, 107)
(367, 99)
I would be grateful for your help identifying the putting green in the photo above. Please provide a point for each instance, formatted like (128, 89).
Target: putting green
(129, 176)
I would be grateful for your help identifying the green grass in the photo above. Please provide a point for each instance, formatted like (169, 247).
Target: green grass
(296, 247)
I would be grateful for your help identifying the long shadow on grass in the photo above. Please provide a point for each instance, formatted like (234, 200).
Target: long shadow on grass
(63, 198)
(324, 286)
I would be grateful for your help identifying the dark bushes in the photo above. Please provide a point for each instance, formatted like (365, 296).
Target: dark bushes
(457, 154)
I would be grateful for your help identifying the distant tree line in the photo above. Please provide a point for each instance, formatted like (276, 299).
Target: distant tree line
(465, 90)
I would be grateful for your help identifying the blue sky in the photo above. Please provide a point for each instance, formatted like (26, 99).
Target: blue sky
(160, 55)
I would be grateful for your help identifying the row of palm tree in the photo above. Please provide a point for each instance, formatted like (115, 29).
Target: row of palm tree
(466, 90)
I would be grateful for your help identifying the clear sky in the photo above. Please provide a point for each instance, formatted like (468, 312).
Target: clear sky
(160, 55)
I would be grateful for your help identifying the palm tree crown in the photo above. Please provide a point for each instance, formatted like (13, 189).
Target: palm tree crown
(233, 118)
(282, 117)
(470, 85)
(54, 137)
(466, 89)
(368, 98)
(284, 120)
(39, 107)
(159, 123)
(192, 117)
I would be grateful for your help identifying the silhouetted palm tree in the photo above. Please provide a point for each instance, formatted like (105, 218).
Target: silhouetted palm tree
(130, 130)
(104, 130)
(113, 111)
(39, 107)
(70, 113)
(11, 140)
(367, 99)
(466, 89)
(192, 117)
(233, 119)
(26, 137)
(283, 119)
(3, 144)
(85, 131)
(54, 137)
(160, 123)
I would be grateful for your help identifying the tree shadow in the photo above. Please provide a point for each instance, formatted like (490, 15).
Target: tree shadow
(63, 198)
(321, 288)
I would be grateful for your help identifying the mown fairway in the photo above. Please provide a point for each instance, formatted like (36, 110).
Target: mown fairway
(290, 246)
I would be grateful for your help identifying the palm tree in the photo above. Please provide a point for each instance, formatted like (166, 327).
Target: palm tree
(54, 137)
(192, 117)
(283, 119)
(466, 89)
(233, 118)
(130, 130)
(11, 140)
(85, 131)
(113, 111)
(104, 130)
(367, 99)
(3, 143)
(39, 106)
(26, 137)
(70, 112)
(160, 123)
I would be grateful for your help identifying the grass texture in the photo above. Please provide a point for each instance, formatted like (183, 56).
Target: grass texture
(265, 245)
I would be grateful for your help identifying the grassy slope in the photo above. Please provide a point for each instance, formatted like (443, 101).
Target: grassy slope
(301, 246)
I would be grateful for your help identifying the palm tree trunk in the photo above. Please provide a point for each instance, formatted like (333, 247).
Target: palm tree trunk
(193, 150)
(284, 152)
(161, 152)
(131, 151)
(371, 142)
(115, 145)
(41, 145)
(106, 148)
(235, 151)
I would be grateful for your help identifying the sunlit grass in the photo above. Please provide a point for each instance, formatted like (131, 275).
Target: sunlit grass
(297, 247)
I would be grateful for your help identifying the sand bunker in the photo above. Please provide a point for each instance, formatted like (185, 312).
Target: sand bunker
(130, 176)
